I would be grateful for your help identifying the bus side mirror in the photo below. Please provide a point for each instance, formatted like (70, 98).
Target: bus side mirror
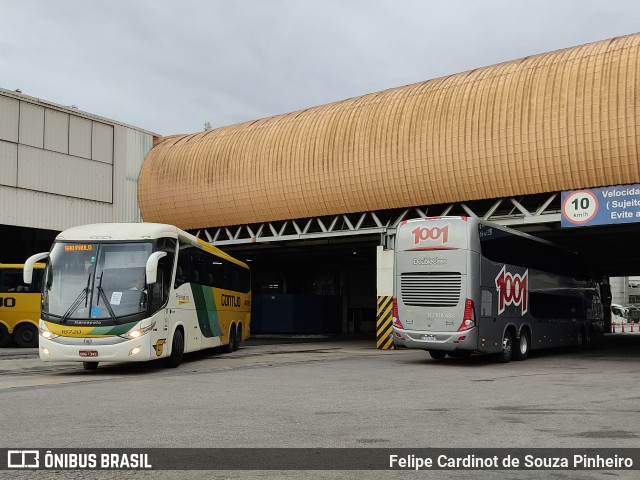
(152, 266)
(27, 271)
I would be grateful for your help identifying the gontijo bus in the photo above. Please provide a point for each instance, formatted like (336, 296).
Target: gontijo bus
(462, 286)
(19, 306)
(138, 291)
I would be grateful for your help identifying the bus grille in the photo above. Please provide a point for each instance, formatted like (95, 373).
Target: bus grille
(431, 289)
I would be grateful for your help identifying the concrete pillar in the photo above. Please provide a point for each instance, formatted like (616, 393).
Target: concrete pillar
(384, 282)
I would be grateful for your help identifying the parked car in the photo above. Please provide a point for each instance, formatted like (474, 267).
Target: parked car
(619, 314)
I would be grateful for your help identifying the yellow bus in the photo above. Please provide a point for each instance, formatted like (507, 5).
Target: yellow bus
(19, 306)
(130, 292)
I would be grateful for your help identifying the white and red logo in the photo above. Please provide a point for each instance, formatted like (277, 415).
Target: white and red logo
(438, 235)
(512, 290)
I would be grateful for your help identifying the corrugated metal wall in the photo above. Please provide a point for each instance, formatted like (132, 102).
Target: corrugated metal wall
(562, 120)
(60, 168)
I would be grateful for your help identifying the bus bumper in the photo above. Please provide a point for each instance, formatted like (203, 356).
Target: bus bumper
(52, 351)
(444, 341)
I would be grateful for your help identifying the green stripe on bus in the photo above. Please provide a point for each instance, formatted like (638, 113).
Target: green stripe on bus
(206, 311)
(112, 330)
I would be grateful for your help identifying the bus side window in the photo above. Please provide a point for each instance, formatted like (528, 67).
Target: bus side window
(159, 292)
(486, 303)
(184, 271)
(12, 281)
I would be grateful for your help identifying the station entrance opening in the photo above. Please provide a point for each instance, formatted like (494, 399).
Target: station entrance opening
(313, 287)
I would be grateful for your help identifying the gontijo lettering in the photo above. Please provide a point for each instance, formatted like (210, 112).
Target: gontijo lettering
(229, 300)
(8, 302)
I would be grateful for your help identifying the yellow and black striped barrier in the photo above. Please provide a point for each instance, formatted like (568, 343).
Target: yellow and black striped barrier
(384, 332)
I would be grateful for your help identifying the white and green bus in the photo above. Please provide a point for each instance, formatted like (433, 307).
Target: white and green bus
(121, 292)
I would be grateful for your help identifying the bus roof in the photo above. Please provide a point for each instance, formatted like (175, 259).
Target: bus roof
(136, 232)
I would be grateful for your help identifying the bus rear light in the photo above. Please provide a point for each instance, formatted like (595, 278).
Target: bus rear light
(468, 320)
(396, 318)
(396, 323)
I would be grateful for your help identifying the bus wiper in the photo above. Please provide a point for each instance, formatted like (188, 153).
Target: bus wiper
(83, 295)
(86, 289)
(106, 300)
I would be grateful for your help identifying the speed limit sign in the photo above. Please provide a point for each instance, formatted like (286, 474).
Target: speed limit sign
(580, 207)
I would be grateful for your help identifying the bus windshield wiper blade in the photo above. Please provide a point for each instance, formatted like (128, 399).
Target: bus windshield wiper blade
(86, 297)
(103, 295)
(75, 304)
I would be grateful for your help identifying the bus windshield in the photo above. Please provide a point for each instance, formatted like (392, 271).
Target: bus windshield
(96, 281)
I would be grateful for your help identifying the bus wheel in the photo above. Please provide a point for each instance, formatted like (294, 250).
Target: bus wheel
(5, 336)
(228, 348)
(586, 338)
(507, 348)
(521, 350)
(90, 365)
(597, 337)
(177, 350)
(437, 354)
(238, 338)
(583, 339)
(26, 336)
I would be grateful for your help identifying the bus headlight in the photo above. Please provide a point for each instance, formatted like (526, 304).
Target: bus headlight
(138, 332)
(47, 334)
(134, 351)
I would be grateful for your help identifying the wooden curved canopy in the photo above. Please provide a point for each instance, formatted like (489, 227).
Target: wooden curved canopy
(556, 121)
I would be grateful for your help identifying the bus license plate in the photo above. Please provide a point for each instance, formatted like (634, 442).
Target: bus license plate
(88, 353)
(430, 338)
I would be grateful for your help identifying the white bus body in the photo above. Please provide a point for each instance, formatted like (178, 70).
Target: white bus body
(138, 292)
(463, 286)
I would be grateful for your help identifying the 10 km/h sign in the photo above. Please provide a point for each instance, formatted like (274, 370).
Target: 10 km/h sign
(601, 206)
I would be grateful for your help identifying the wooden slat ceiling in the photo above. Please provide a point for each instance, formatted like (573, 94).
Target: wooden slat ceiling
(562, 120)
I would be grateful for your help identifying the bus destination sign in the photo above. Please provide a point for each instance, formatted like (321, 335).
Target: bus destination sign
(601, 206)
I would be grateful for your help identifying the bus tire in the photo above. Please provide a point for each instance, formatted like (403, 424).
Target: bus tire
(522, 346)
(507, 348)
(228, 348)
(238, 338)
(5, 336)
(26, 335)
(597, 337)
(90, 365)
(177, 349)
(437, 354)
(584, 339)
